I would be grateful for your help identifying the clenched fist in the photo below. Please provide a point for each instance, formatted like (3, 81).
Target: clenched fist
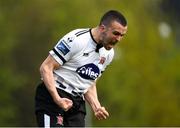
(64, 103)
(101, 113)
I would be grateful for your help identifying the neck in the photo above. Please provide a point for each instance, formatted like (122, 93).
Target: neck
(96, 34)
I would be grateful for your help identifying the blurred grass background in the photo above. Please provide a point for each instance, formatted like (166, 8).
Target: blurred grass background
(140, 87)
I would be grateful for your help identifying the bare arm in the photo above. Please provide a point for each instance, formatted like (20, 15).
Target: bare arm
(92, 98)
(46, 71)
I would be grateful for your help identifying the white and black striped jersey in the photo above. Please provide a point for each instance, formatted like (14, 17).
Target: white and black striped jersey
(80, 63)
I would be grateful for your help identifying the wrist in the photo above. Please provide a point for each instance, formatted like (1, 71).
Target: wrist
(56, 99)
(95, 107)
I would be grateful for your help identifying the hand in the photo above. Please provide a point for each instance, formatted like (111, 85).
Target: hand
(65, 103)
(101, 113)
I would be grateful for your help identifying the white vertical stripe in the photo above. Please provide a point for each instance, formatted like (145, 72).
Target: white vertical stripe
(46, 121)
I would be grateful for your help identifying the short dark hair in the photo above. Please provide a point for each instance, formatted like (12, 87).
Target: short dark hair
(113, 15)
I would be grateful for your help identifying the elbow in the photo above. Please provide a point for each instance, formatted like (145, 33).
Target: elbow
(43, 69)
(45, 72)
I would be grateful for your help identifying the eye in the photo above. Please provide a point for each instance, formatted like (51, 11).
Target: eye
(118, 33)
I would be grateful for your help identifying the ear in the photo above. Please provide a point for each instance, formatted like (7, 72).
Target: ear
(102, 27)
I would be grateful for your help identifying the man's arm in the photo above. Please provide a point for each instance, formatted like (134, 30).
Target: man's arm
(92, 98)
(46, 71)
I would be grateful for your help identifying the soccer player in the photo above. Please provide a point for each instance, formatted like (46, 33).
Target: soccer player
(70, 72)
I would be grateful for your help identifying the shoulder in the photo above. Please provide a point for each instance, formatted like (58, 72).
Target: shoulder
(107, 53)
(78, 32)
(111, 53)
(80, 37)
(73, 36)
(74, 40)
(81, 31)
(76, 35)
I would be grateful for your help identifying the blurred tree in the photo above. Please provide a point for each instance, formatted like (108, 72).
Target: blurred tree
(9, 77)
(140, 88)
(170, 9)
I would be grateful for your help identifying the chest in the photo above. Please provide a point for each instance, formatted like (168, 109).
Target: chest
(87, 58)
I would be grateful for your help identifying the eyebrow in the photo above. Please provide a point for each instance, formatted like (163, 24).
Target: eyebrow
(118, 33)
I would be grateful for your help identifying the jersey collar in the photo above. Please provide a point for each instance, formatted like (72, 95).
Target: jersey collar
(98, 46)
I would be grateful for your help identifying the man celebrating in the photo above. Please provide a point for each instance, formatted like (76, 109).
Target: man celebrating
(70, 72)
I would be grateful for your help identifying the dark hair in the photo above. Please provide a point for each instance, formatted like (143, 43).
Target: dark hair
(113, 15)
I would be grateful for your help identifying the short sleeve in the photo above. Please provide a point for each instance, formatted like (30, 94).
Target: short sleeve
(64, 49)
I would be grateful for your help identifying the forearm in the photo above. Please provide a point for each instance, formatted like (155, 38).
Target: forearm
(46, 71)
(92, 98)
(48, 79)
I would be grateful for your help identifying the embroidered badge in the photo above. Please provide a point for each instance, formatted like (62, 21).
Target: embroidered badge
(59, 119)
(63, 48)
(102, 60)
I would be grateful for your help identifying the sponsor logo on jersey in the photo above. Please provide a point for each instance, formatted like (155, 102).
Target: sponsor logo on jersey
(63, 48)
(88, 71)
(85, 54)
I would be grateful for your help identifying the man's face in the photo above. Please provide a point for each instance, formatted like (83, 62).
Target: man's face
(112, 34)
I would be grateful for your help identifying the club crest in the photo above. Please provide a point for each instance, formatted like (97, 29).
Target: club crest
(102, 60)
(59, 120)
